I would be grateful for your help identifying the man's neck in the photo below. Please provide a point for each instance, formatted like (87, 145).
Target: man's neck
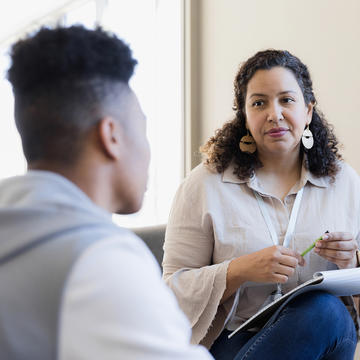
(88, 182)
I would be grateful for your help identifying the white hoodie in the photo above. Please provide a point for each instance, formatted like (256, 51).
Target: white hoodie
(76, 286)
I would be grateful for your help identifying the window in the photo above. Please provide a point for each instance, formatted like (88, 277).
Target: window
(153, 28)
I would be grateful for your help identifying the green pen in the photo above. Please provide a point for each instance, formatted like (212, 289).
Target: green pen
(313, 245)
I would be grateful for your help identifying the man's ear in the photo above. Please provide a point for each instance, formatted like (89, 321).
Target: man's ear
(111, 137)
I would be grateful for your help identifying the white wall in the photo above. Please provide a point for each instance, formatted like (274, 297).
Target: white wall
(324, 34)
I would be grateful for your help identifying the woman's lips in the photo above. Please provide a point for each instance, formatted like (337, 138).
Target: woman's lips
(277, 132)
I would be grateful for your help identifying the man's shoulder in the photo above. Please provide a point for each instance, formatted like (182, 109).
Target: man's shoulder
(125, 242)
(116, 285)
(121, 246)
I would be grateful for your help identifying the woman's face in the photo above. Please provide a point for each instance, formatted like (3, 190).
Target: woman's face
(276, 113)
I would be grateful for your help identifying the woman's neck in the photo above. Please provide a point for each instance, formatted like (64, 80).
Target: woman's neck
(279, 174)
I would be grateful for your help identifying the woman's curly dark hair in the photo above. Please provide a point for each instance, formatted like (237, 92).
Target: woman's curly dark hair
(223, 148)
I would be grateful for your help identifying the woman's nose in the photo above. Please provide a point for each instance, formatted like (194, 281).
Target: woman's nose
(275, 113)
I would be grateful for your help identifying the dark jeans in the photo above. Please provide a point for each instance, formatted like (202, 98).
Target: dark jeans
(312, 326)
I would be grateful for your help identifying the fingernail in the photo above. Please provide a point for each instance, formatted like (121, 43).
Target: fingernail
(325, 237)
(317, 250)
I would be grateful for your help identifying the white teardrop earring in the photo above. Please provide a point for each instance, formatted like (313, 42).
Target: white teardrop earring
(307, 138)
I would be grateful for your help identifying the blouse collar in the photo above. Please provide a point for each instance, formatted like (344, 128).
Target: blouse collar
(228, 176)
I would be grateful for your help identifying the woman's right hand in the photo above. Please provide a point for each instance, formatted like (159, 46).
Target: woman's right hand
(274, 264)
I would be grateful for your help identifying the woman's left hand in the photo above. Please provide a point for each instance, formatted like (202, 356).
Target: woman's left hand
(339, 248)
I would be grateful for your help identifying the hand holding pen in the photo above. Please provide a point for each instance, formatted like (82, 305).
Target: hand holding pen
(313, 244)
(336, 247)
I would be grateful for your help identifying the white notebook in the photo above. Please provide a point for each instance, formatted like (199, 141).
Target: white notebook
(337, 282)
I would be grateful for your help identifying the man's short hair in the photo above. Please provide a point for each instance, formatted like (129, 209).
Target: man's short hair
(61, 79)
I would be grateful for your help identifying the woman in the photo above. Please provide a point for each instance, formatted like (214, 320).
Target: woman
(272, 182)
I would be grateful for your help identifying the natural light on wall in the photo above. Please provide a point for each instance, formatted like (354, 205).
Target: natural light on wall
(153, 28)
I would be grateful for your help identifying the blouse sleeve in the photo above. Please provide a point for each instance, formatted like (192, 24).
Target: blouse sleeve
(188, 270)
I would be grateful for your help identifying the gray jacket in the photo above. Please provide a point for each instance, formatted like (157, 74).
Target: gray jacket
(45, 224)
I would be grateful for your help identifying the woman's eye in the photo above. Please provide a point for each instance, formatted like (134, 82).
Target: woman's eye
(258, 103)
(287, 100)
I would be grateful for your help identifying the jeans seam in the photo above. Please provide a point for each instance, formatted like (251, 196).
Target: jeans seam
(266, 332)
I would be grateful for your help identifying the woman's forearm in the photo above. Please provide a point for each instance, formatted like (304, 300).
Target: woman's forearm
(234, 278)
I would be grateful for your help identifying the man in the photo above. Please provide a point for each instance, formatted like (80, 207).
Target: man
(73, 284)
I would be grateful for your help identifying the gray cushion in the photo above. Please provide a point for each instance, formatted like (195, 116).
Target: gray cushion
(153, 236)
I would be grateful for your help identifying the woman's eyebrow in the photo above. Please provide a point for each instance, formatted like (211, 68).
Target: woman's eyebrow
(257, 95)
(287, 92)
(264, 95)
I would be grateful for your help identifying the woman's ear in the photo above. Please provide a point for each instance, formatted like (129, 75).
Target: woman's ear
(310, 108)
(111, 137)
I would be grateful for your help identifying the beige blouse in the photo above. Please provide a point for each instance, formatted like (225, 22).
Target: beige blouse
(216, 218)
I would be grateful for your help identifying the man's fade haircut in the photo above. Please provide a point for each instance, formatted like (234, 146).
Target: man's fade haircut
(61, 79)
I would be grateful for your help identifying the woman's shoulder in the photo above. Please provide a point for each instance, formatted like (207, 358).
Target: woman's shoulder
(346, 171)
(203, 173)
(201, 181)
(347, 178)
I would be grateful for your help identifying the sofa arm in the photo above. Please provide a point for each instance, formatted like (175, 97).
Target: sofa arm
(154, 237)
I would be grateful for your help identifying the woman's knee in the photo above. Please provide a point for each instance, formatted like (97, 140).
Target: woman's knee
(319, 302)
(320, 309)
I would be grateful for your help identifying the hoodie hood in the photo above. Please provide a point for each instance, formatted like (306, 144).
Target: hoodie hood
(41, 206)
